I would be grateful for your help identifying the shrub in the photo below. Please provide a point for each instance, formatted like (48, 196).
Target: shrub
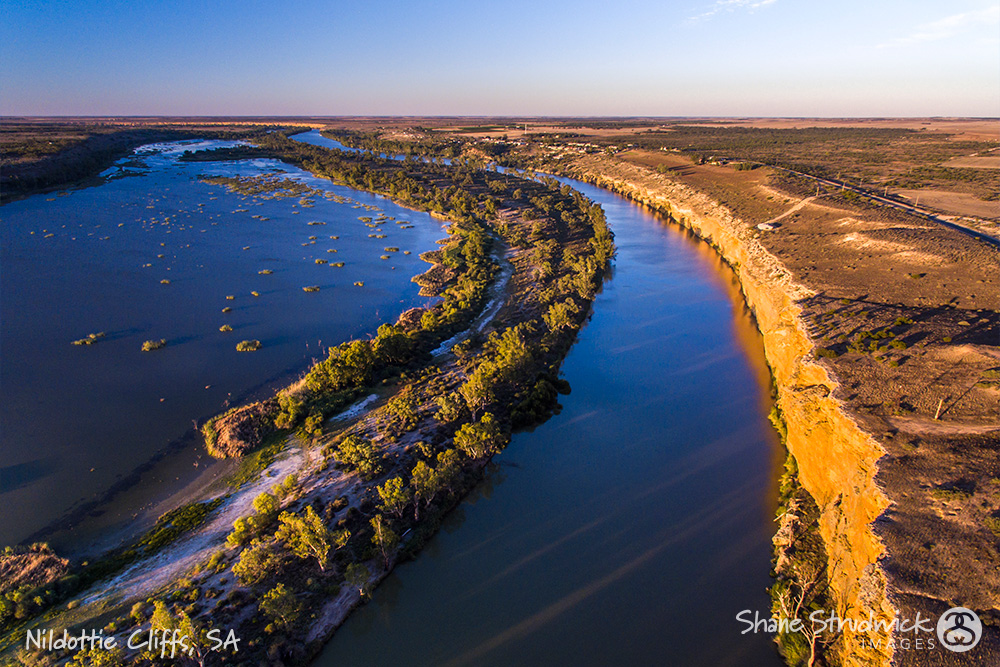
(151, 345)
(248, 346)
(256, 563)
(311, 288)
(359, 453)
(451, 407)
(225, 328)
(291, 409)
(480, 439)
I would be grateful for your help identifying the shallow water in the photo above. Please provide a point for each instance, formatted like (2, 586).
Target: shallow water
(79, 419)
(316, 139)
(631, 528)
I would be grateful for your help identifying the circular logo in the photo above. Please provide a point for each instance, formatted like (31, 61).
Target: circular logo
(959, 629)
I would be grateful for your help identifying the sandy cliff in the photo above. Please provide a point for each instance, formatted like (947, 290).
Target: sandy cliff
(836, 458)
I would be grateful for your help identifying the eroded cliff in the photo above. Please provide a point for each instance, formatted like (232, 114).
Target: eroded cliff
(836, 459)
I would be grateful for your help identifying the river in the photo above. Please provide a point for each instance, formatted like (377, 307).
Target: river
(630, 529)
(96, 436)
(633, 527)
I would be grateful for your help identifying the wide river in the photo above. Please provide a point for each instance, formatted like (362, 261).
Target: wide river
(79, 421)
(628, 530)
(633, 527)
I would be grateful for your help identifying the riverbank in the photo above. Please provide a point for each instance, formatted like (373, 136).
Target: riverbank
(835, 436)
(432, 450)
(649, 494)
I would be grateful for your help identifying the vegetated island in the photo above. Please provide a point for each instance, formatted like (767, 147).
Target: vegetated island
(283, 557)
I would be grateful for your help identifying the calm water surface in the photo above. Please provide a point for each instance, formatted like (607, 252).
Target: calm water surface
(76, 420)
(631, 528)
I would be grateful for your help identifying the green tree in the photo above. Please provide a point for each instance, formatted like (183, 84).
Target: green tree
(479, 389)
(257, 562)
(511, 353)
(281, 606)
(242, 532)
(308, 537)
(426, 484)
(560, 315)
(392, 345)
(402, 410)
(449, 469)
(266, 506)
(481, 439)
(197, 638)
(162, 618)
(359, 453)
(195, 634)
(384, 538)
(291, 409)
(99, 657)
(312, 427)
(451, 408)
(395, 496)
(357, 574)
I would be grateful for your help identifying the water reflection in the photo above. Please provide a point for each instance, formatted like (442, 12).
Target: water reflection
(636, 523)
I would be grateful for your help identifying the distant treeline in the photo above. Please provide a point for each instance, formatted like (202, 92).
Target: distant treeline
(374, 142)
(86, 158)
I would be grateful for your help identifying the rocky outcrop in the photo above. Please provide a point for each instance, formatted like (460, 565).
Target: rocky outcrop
(36, 565)
(239, 431)
(835, 457)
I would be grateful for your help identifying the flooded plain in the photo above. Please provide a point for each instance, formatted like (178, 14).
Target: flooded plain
(153, 253)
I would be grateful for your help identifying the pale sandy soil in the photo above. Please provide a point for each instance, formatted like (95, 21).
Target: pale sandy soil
(974, 162)
(971, 129)
(150, 574)
(953, 203)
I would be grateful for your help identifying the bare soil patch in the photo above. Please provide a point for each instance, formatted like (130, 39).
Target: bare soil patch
(974, 162)
(953, 203)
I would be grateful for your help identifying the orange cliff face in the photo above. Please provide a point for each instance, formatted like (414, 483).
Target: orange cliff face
(836, 459)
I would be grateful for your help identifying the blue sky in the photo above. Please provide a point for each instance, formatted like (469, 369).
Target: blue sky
(518, 57)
